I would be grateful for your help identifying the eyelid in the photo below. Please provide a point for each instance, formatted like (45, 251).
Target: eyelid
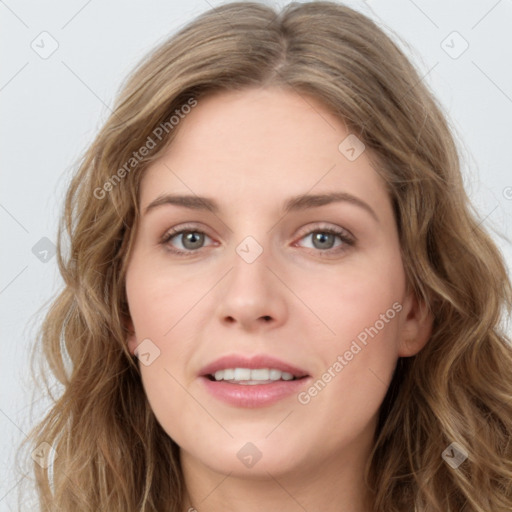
(322, 225)
(305, 230)
(178, 229)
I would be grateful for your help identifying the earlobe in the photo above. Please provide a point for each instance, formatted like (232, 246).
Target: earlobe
(416, 327)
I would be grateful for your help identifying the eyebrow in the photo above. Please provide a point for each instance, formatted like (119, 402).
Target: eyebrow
(296, 203)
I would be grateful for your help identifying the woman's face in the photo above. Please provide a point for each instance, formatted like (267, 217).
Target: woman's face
(256, 279)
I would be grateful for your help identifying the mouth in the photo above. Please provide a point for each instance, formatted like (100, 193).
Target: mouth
(256, 381)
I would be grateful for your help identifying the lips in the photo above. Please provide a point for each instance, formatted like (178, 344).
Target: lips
(252, 394)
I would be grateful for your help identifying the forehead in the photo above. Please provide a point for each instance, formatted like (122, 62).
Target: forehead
(255, 122)
(260, 144)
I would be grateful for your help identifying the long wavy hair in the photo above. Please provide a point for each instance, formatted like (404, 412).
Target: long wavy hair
(109, 451)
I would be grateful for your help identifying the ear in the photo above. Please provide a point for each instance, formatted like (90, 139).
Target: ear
(416, 326)
(131, 339)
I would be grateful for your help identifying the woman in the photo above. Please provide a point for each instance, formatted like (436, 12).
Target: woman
(222, 357)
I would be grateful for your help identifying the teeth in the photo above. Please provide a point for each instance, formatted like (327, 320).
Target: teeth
(248, 375)
(260, 374)
(275, 374)
(242, 374)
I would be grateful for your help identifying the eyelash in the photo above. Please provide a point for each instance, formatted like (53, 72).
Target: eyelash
(347, 240)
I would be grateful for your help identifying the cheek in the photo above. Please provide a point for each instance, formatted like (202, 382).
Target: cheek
(161, 307)
(159, 298)
(361, 308)
(354, 297)
(356, 366)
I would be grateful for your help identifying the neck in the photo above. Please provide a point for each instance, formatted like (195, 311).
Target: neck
(330, 485)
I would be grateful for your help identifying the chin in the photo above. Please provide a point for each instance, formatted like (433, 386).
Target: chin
(246, 458)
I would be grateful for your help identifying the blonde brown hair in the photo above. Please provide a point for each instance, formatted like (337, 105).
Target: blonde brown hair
(112, 455)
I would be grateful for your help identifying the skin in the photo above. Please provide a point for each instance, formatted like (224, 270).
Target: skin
(251, 150)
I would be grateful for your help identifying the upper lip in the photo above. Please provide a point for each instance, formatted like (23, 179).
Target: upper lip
(256, 361)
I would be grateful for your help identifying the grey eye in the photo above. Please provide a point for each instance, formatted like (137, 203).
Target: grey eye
(323, 239)
(192, 239)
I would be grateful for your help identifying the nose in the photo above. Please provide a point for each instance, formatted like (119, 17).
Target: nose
(253, 295)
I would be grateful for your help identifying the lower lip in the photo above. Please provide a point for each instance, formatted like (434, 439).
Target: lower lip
(253, 395)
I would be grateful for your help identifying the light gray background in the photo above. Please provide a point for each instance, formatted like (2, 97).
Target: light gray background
(52, 107)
